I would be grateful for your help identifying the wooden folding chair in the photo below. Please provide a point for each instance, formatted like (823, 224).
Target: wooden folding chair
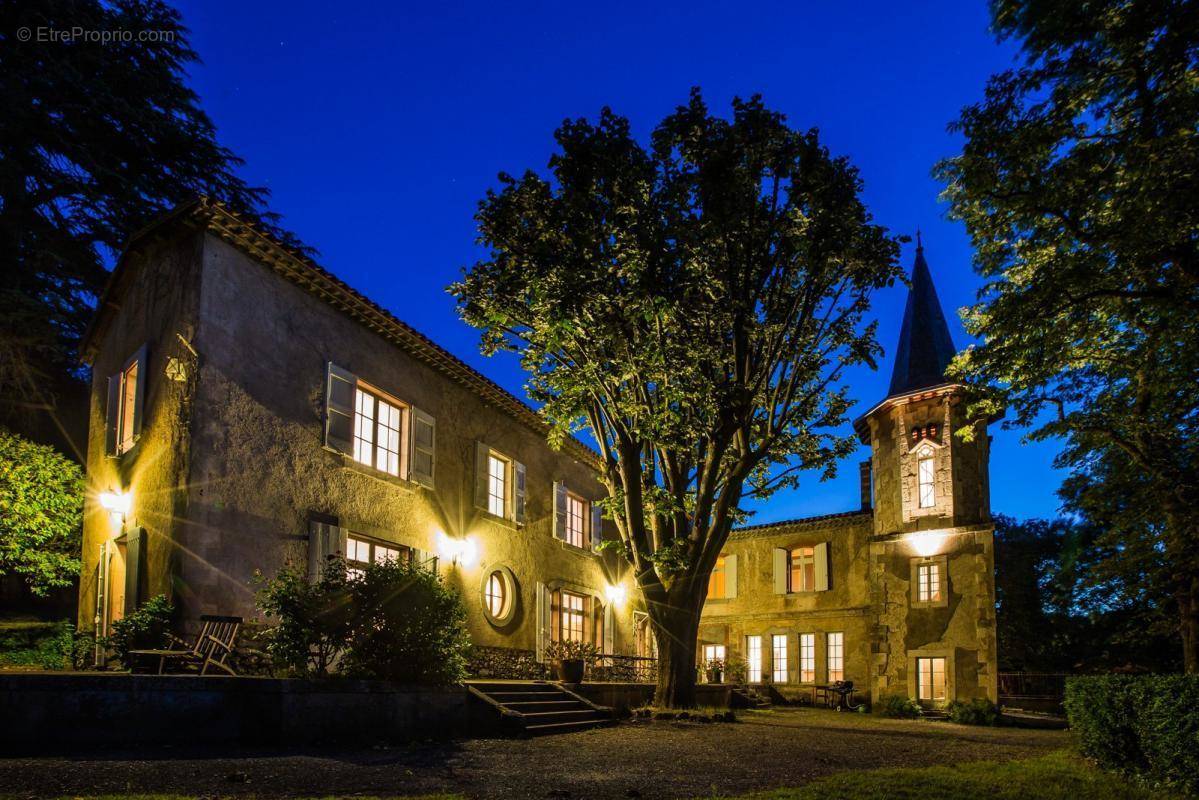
(212, 648)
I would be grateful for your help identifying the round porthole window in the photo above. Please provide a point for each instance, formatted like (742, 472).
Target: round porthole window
(499, 595)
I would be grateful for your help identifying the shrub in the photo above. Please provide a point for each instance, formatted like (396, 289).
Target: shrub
(48, 646)
(147, 628)
(571, 651)
(1144, 726)
(979, 711)
(736, 670)
(897, 706)
(314, 619)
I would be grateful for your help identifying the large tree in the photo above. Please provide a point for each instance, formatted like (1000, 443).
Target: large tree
(693, 304)
(97, 137)
(1077, 183)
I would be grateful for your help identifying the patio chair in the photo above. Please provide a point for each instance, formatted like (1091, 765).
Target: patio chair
(212, 648)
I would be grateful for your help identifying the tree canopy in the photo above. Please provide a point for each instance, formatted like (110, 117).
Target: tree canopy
(693, 304)
(1077, 182)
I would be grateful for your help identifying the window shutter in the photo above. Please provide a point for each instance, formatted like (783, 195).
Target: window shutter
(324, 541)
(597, 526)
(421, 447)
(112, 415)
(101, 596)
(780, 570)
(730, 577)
(560, 510)
(482, 453)
(135, 541)
(340, 389)
(609, 630)
(518, 493)
(822, 553)
(139, 391)
(543, 620)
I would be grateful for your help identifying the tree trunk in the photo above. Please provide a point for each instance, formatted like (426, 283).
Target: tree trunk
(676, 631)
(1188, 626)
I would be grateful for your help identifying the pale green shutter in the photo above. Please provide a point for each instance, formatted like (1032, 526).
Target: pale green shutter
(560, 510)
(135, 542)
(482, 456)
(112, 415)
(422, 447)
(139, 391)
(518, 492)
(597, 526)
(780, 570)
(822, 566)
(340, 390)
(730, 576)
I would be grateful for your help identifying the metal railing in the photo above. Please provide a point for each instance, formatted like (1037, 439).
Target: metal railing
(613, 668)
(1046, 685)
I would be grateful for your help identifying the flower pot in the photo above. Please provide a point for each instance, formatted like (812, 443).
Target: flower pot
(715, 676)
(570, 670)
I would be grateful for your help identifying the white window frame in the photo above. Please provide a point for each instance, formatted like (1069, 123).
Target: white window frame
(778, 658)
(926, 483)
(835, 655)
(379, 433)
(753, 659)
(578, 520)
(714, 651)
(928, 582)
(498, 484)
(926, 679)
(806, 557)
(571, 615)
(807, 658)
(496, 594)
(127, 406)
(361, 551)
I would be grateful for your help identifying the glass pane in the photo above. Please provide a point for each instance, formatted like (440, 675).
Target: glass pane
(496, 489)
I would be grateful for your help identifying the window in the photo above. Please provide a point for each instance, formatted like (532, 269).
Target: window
(716, 581)
(712, 652)
(377, 427)
(643, 636)
(128, 407)
(573, 613)
(497, 485)
(803, 570)
(753, 659)
(835, 647)
(576, 520)
(930, 679)
(924, 473)
(807, 658)
(928, 583)
(778, 661)
(360, 552)
(496, 594)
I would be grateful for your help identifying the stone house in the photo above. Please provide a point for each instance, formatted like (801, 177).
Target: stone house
(899, 595)
(248, 409)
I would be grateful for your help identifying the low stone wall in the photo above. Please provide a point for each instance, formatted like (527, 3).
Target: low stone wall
(51, 710)
(506, 663)
(626, 696)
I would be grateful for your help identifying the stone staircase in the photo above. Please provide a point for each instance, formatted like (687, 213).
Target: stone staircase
(747, 697)
(537, 708)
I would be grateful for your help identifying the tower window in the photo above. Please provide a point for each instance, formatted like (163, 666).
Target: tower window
(924, 478)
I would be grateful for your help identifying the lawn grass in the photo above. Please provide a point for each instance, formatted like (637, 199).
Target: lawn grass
(1060, 775)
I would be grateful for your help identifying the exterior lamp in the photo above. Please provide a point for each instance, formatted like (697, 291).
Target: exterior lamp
(116, 502)
(457, 551)
(927, 543)
(616, 595)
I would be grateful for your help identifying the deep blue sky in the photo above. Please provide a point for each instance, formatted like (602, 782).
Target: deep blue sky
(378, 130)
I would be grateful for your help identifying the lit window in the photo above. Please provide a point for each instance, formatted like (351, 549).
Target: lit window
(497, 485)
(807, 658)
(836, 656)
(753, 659)
(802, 577)
(496, 594)
(924, 470)
(778, 661)
(361, 552)
(716, 581)
(128, 408)
(928, 583)
(573, 614)
(576, 520)
(930, 679)
(713, 652)
(377, 426)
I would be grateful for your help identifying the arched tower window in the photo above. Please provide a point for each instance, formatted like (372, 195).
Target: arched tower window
(924, 477)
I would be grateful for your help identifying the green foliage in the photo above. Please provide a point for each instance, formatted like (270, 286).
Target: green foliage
(393, 621)
(898, 707)
(1076, 184)
(694, 302)
(49, 646)
(979, 711)
(736, 669)
(571, 651)
(41, 513)
(146, 628)
(408, 626)
(1145, 726)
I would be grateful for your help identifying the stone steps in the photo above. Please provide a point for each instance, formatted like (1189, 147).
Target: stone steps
(537, 708)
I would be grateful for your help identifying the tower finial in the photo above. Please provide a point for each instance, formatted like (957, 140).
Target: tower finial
(919, 244)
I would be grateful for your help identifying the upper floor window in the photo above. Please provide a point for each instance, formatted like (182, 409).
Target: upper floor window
(124, 411)
(497, 485)
(924, 477)
(928, 582)
(803, 570)
(576, 519)
(577, 512)
(378, 425)
(717, 580)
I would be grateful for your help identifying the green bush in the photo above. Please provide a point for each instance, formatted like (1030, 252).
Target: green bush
(147, 628)
(897, 706)
(314, 619)
(979, 711)
(50, 646)
(1144, 726)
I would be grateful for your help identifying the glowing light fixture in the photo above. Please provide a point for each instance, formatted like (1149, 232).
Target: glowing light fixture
(927, 543)
(616, 595)
(116, 502)
(457, 551)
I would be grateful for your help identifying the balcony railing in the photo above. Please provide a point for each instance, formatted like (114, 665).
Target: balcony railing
(612, 668)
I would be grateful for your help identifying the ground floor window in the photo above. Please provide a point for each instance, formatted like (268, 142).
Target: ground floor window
(361, 552)
(643, 636)
(930, 679)
(572, 616)
(753, 659)
(807, 658)
(713, 652)
(496, 594)
(835, 646)
(778, 660)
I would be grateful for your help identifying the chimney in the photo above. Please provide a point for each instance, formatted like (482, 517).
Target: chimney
(864, 477)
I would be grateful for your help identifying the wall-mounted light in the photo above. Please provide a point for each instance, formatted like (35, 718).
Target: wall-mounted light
(457, 551)
(927, 543)
(116, 502)
(616, 595)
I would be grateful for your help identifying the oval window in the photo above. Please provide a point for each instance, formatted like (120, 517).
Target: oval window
(498, 595)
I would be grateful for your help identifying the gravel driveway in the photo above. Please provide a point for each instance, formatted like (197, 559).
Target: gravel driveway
(635, 759)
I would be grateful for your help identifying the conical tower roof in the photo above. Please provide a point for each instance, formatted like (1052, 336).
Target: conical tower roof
(925, 347)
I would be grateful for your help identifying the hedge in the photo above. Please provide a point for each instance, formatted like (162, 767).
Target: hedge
(1144, 726)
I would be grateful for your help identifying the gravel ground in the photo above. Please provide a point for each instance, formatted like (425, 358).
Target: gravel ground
(764, 749)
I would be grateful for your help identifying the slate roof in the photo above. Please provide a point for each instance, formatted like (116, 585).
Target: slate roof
(925, 347)
(821, 520)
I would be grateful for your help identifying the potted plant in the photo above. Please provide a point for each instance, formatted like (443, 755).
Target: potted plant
(715, 669)
(570, 659)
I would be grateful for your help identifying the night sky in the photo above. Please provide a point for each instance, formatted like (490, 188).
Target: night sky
(378, 131)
